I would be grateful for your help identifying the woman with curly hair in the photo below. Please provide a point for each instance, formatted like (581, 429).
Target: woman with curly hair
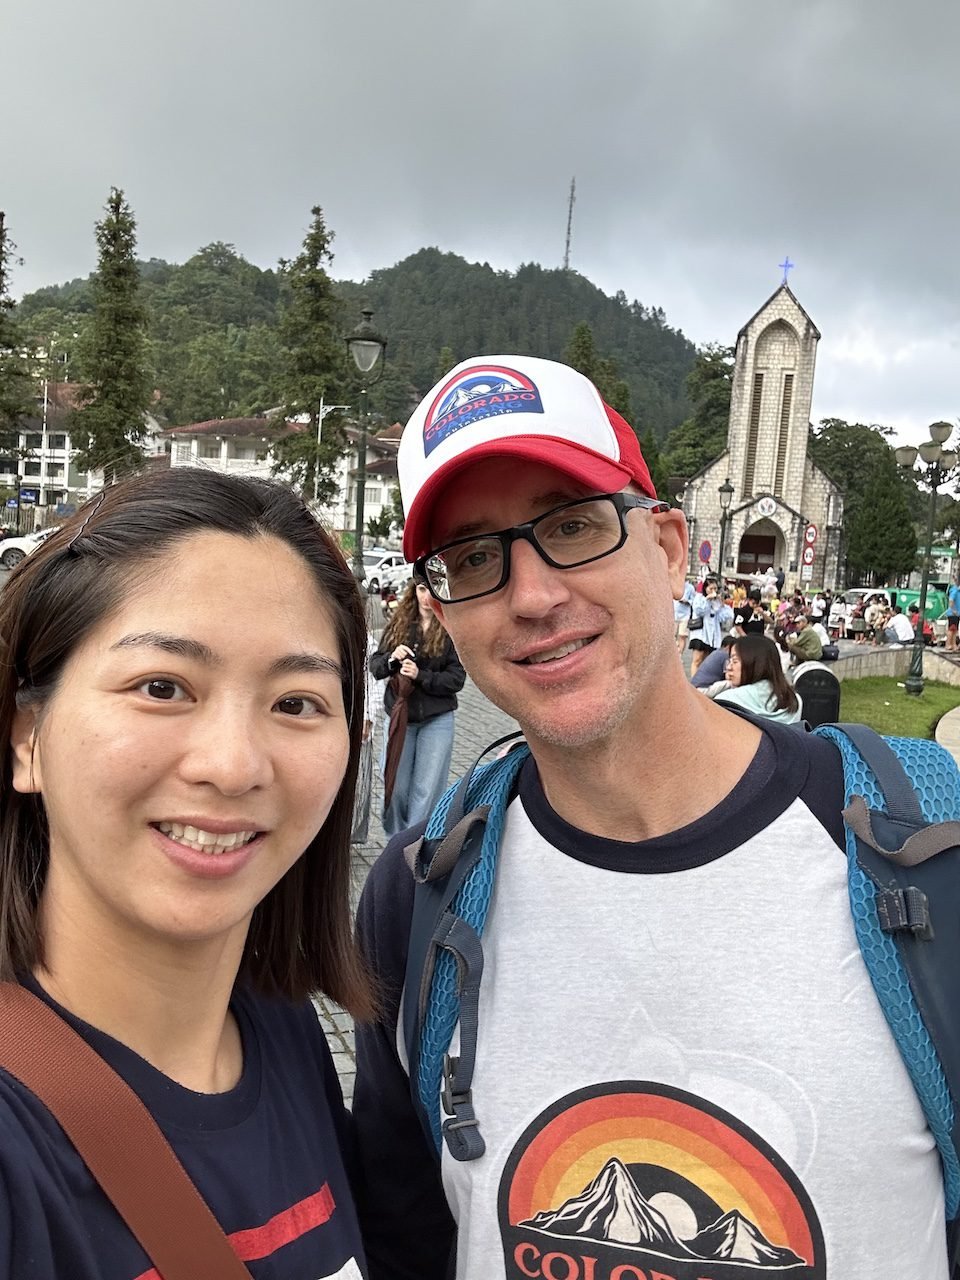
(417, 658)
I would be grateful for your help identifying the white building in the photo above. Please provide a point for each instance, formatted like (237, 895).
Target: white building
(244, 446)
(49, 484)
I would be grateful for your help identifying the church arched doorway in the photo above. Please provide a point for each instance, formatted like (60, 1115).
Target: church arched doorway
(762, 547)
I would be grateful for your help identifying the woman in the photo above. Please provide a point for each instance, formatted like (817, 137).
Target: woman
(418, 659)
(182, 697)
(711, 617)
(758, 683)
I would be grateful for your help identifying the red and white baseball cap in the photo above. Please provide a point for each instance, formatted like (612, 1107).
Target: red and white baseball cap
(512, 406)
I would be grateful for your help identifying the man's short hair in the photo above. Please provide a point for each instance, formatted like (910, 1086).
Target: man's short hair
(728, 642)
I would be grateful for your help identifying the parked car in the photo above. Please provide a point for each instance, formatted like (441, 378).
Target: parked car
(13, 550)
(380, 566)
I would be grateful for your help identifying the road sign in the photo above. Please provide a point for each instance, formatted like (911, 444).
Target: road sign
(806, 572)
(808, 554)
(12, 502)
(706, 551)
(29, 495)
(810, 534)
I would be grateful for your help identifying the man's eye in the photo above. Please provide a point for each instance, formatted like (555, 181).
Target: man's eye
(571, 528)
(161, 690)
(299, 707)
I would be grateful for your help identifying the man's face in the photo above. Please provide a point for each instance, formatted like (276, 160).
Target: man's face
(801, 621)
(571, 654)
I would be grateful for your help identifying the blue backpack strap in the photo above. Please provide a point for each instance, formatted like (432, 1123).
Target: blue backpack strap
(902, 805)
(454, 866)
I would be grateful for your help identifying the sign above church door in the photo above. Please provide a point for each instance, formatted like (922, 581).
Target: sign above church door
(766, 507)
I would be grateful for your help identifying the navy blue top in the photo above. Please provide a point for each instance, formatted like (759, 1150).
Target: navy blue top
(269, 1156)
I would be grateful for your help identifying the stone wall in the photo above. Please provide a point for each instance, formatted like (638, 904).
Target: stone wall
(884, 661)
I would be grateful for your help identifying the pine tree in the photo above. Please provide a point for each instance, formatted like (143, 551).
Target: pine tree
(314, 364)
(109, 425)
(881, 536)
(581, 352)
(445, 362)
(16, 385)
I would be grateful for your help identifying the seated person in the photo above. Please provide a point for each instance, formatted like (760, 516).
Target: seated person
(757, 683)
(804, 644)
(711, 668)
(897, 629)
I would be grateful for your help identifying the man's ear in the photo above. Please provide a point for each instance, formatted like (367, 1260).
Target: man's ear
(674, 540)
(26, 757)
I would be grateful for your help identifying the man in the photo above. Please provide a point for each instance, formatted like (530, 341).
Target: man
(804, 644)
(711, 668)
(897, 629)
(750, 617)
(780, 579)
(953, 615)
(680, 1058)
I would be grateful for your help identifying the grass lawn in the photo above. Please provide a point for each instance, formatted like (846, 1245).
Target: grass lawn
(879, 702)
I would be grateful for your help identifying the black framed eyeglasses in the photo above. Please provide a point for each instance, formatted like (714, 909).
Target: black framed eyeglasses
(565, 537)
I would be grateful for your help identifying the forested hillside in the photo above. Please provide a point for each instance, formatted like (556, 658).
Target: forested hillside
(215, 349)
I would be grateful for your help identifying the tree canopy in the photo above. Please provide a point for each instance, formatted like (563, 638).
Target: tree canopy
(219, 312)
(703, 436)
(16, 385)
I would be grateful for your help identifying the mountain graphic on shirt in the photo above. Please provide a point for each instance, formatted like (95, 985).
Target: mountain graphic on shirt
(613, 1210)
(734, 1237)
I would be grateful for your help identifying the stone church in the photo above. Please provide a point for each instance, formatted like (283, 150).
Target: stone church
(784, 511)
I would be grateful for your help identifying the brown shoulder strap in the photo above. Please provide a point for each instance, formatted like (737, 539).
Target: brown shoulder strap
(118, 1139)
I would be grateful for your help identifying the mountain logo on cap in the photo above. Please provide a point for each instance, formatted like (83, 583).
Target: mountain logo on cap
(472, 394)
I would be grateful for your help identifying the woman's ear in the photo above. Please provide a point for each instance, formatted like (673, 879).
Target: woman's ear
(26, 760)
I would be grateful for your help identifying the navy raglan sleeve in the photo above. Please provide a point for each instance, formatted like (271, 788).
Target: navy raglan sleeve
(408, 1232)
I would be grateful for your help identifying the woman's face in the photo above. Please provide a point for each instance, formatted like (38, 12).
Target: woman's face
(193, 748)
(732, 668)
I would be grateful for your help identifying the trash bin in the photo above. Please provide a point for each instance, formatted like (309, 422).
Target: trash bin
(819, 689)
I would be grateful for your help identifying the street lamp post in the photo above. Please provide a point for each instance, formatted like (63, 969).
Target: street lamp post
(726, 497)
(366, 346)
(938, 463)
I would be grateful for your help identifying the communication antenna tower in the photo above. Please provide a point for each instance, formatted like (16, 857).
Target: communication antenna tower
(573, 198)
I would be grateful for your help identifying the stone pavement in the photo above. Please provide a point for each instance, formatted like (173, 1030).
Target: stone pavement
(477, 723)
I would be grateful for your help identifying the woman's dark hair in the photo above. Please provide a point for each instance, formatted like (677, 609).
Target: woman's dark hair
(406, 618)
(760, 660)
(300, 938)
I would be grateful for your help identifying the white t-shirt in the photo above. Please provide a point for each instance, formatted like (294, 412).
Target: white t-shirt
(682, 1071)
(901, 628)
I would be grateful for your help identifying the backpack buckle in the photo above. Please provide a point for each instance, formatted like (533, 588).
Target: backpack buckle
(905, 910)
(452, 1101)
(462, 1131)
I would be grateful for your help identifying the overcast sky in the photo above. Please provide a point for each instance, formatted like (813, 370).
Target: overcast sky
(709, 138)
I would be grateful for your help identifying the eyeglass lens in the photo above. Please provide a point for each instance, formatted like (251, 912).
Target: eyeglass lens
(570, 535)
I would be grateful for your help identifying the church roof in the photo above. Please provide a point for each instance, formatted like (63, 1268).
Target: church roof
(783, 288)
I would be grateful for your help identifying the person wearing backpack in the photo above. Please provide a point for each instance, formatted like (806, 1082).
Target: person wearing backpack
(627, 1028)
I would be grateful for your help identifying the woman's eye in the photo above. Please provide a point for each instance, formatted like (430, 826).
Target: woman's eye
(301, 708)
(162, 690)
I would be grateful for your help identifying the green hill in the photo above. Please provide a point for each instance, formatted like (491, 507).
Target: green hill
(214, 344)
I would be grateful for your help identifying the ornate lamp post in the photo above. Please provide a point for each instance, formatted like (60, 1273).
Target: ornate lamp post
(726, 497)
(938, 463)
(366, 346)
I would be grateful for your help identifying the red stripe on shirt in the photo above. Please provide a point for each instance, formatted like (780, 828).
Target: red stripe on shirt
(284, 1227)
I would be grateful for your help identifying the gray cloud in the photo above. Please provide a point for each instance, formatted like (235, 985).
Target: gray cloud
(708, 137)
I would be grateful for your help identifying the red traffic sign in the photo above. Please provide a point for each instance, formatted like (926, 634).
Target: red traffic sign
(810, 534)
(808, 554)
(706, 551)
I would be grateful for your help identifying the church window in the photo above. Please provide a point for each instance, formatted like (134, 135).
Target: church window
(752, 435)
(786, 404)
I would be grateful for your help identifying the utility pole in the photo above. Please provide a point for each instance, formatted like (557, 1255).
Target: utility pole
(322, 412)
(572, 201)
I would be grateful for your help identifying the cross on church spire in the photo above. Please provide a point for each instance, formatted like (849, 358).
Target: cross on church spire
(785, 266)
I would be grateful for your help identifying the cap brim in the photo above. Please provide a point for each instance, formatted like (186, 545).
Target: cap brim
(590, 469)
